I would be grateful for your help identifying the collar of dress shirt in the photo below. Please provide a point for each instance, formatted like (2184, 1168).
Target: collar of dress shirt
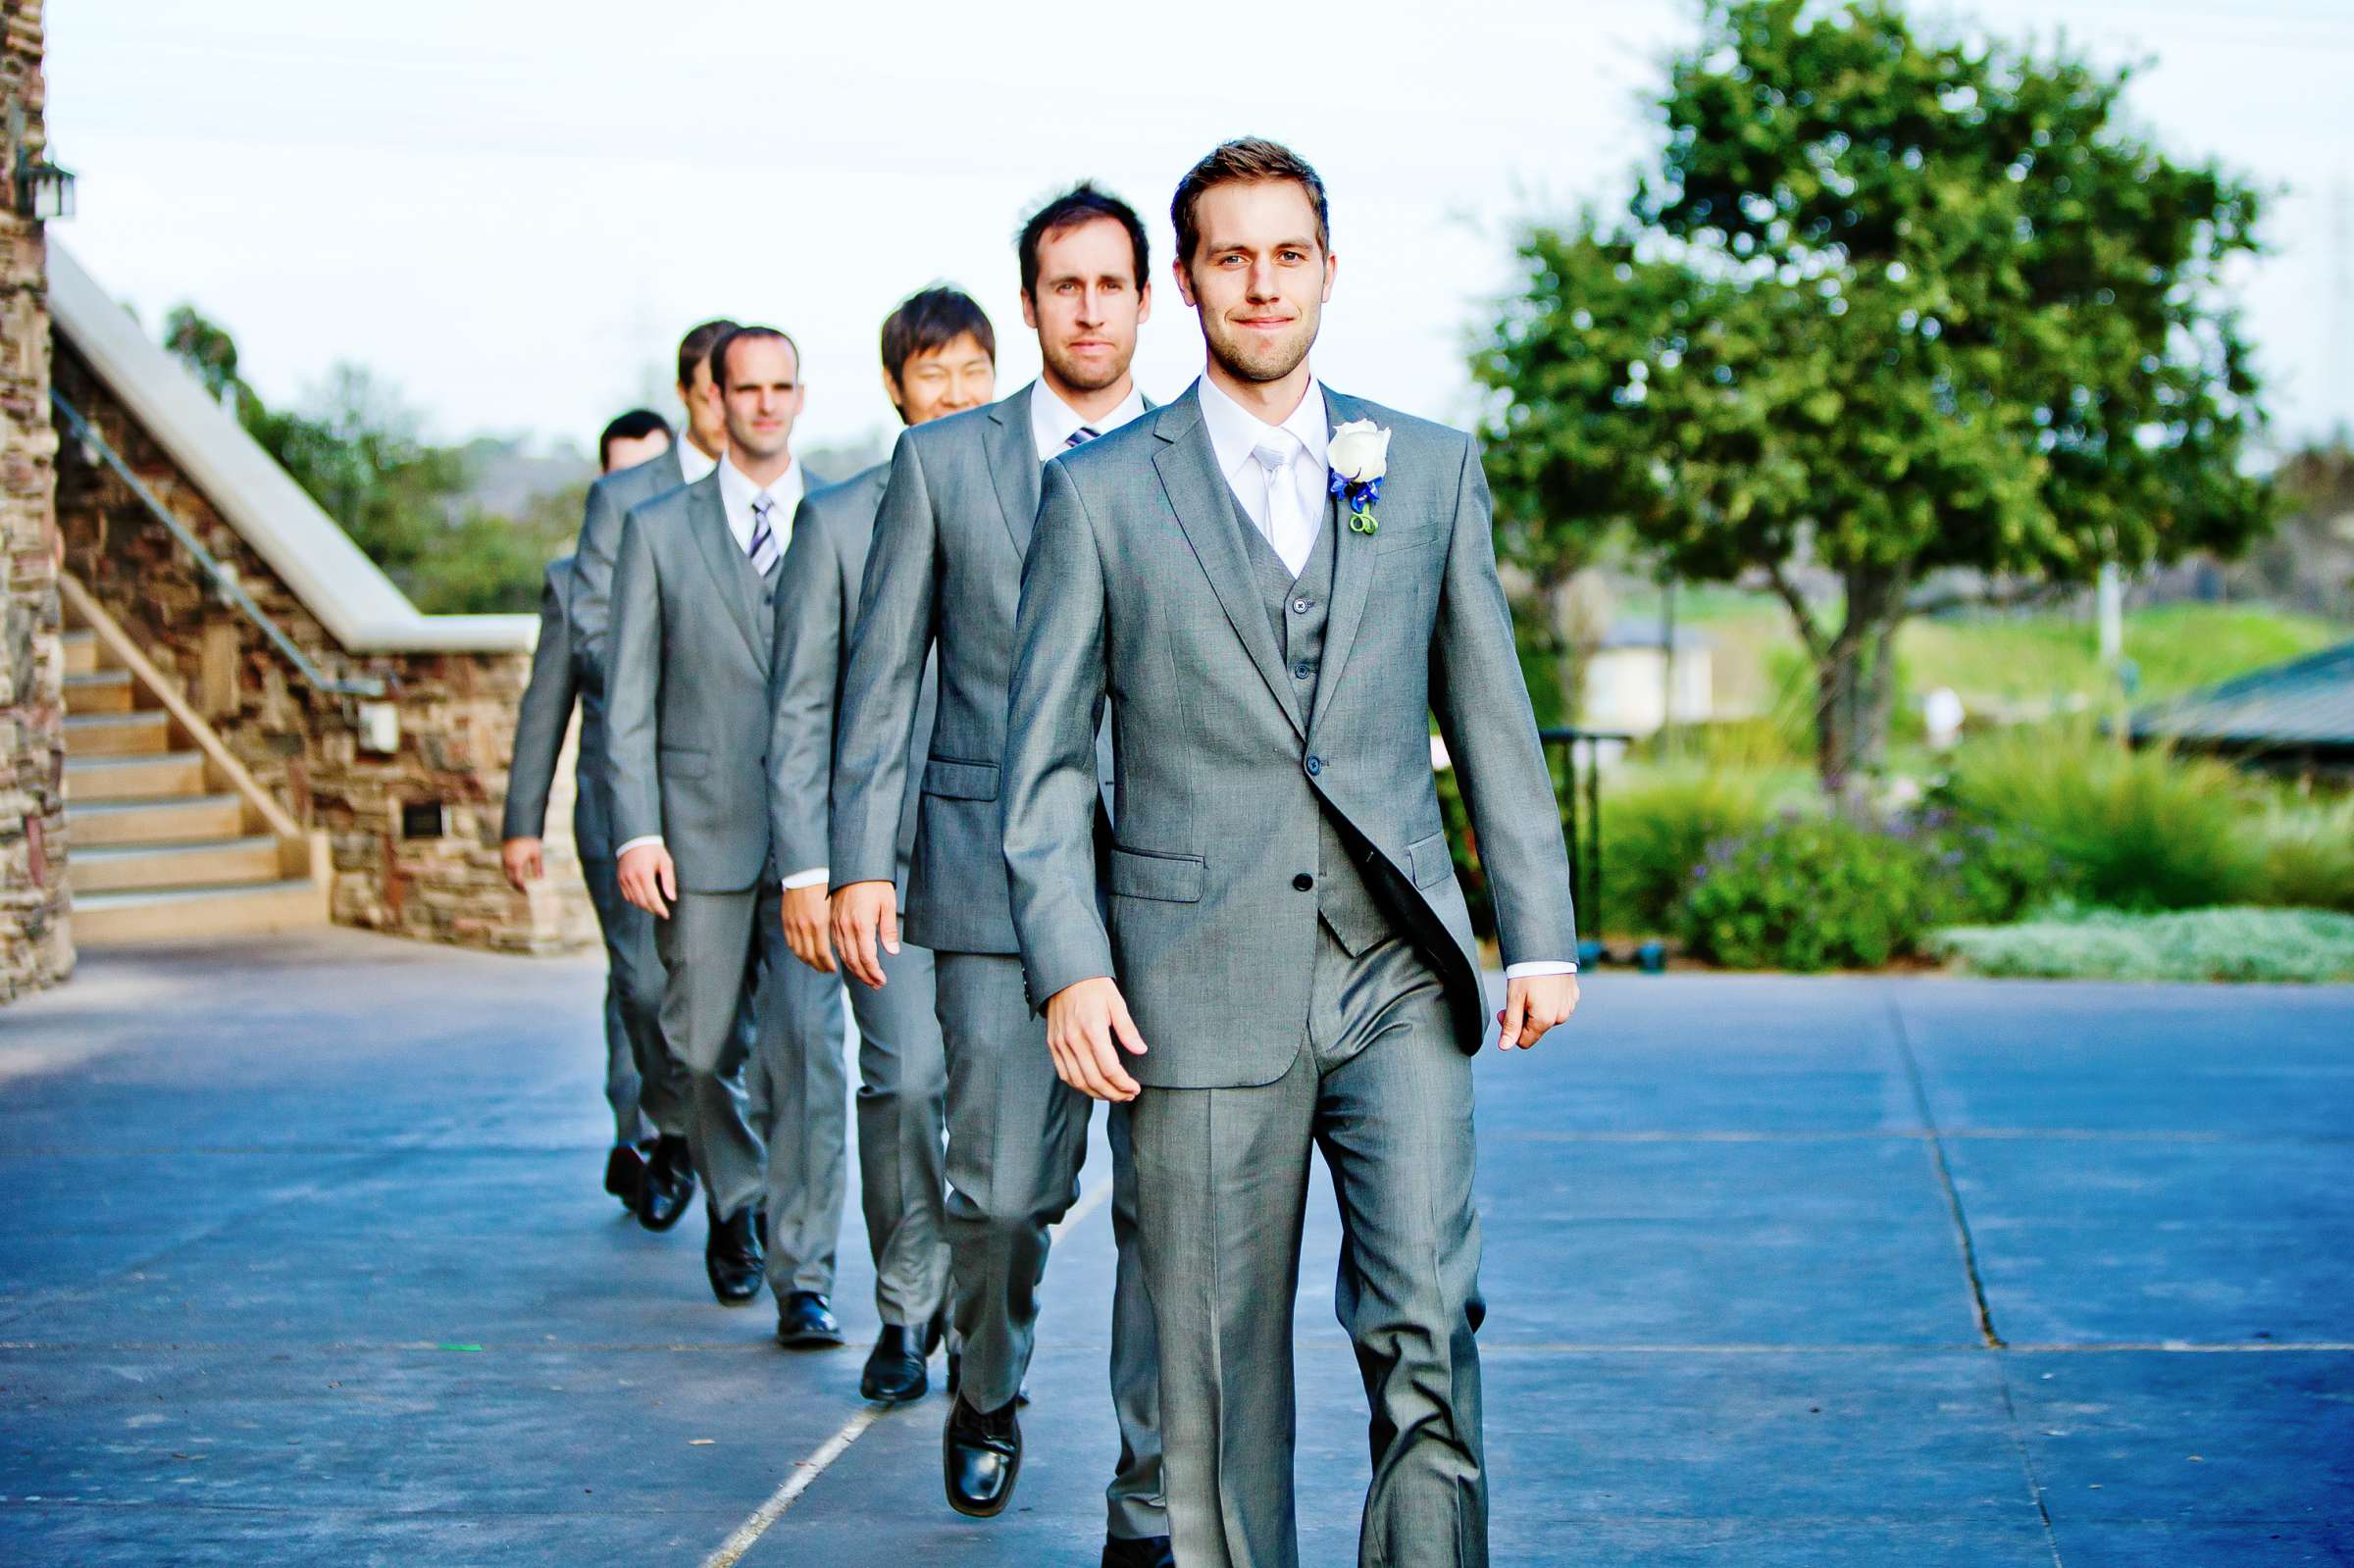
(1053, 420)
(1234, 430)
(693, 465)
(737, 493)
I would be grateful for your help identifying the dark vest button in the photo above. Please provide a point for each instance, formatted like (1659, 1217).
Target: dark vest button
(1303, 882)
(1301, 607)
(1302, 670)
(1315, 765)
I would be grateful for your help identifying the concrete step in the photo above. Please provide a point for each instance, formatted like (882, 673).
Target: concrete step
(81, 653)
(240, 909)
(116, 734)
(98, 780)
(99, 691)
(124, 867)
(184, 819)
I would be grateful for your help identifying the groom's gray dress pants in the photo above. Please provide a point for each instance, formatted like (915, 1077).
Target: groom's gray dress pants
(1380, 1087)
(777, 1140)
(1016, 1137)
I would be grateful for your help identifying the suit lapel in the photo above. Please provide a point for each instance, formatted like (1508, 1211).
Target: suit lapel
(1205, 506)
(1013, 466)
(729, 569)
(1351, 576)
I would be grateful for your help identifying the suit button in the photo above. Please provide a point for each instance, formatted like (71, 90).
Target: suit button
(1303, 882)
(1301, 607)
(1302, 670)
(1315, 765)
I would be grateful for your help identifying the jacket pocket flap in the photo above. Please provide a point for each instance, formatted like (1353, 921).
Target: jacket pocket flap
(960, 780)
(681, 763)
(1430, 859)
(1176, 879)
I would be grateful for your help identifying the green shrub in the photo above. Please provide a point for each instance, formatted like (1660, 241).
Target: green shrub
(2237, 945)
(2130, 830)
(1809, 894)
(1982, 873)
(1657, 825)
(2307, 854)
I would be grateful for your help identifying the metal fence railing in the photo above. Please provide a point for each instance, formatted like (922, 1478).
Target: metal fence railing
(1577, 753)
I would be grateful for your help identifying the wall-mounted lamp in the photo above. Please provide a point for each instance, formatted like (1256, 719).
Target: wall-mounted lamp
(43, 190)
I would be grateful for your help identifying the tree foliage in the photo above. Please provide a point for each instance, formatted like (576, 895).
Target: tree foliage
(1889, 306)
(361, 453)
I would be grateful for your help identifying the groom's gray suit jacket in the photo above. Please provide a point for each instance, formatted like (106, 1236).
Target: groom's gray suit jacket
(946, 566)
(686, 689)
(1143, 584)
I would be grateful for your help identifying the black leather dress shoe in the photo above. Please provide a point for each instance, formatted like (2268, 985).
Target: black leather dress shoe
(731, 1257)
(668, 1184)
(1148, 1551)
(981, 1455)
(895, 1369)
(624, 1174)
(804, 1322)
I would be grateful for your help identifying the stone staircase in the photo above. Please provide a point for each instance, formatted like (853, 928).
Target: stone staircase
(169, 834)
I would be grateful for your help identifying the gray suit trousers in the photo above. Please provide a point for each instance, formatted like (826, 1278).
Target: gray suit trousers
(1018, 1137)
(766, 1122)
(902, 1092)
(1381, 1087)
(657, 1083)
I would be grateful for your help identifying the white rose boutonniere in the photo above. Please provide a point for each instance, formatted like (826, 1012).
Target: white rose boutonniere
(1358, 455)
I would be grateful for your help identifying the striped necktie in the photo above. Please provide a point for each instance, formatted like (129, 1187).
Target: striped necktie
(1081, 436)
(763, 549)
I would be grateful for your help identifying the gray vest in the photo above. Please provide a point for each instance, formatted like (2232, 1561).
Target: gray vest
(1298, 609)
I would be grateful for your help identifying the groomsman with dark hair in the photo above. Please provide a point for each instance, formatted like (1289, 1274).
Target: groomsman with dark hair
(945, 575)
(638, 436)
(669, 1175)
(938, 358)
(694, 605)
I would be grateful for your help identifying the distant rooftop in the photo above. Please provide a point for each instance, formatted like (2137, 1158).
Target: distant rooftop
(2304, 706)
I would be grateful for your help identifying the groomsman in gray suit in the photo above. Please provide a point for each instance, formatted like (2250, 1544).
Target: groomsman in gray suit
(687, 715)
(944, 573)
(1288, 962)
(632, 991)
(669, 1179)
(938, 358)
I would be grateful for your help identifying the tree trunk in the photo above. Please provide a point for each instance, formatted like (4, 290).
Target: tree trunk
(1855, 679)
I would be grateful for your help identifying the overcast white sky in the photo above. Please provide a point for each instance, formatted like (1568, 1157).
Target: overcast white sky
(511, 210)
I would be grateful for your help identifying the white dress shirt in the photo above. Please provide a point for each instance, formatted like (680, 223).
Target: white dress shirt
(1053, 422)
(693, 465)
(1236, 436)
(736, 493)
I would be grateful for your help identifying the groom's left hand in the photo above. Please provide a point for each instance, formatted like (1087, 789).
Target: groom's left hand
(1533, 1004)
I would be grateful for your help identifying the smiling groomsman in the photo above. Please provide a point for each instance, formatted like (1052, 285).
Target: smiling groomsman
(938, 358)
(1276, 586)
(687, 717)
(944, 574)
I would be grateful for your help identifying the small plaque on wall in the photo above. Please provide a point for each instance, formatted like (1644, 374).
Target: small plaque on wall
(422, 818)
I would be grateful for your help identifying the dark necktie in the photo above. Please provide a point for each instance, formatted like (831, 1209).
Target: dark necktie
(763, 547)
(1081, 436)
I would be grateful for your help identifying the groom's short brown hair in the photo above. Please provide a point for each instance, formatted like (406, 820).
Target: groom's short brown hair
(1246, 160)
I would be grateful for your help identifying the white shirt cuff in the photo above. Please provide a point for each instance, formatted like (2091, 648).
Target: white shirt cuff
(1538, 966)
(649, 838)
(806, 879)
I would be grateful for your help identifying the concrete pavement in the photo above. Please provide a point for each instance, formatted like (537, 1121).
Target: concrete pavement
(305, 1261)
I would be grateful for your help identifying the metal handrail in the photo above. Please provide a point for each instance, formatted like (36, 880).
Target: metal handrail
(224, 580)
(1585, 860)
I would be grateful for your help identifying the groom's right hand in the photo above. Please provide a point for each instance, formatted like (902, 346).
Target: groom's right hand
(866, 918)
(1082, 1022)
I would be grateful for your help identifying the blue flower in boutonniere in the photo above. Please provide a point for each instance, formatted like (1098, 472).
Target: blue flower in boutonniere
(1358, 455)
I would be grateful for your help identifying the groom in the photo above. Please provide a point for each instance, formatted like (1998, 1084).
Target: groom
(1289, 961)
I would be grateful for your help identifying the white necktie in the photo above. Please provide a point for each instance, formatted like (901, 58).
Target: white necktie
(763, 548)
(1286, 522)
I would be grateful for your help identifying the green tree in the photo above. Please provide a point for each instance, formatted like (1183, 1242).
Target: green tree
(360, 452)
(1908, 311)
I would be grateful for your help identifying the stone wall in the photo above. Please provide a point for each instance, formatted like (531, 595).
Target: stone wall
(35, 943)
(400, 864)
